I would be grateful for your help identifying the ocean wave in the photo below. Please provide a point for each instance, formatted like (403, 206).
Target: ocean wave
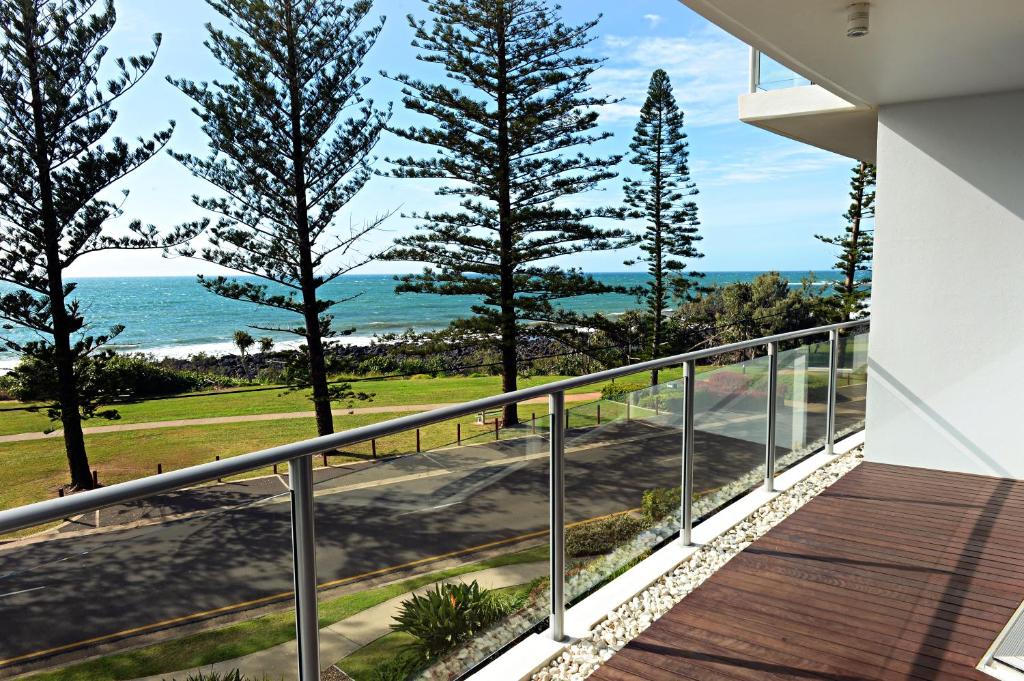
(228, 348)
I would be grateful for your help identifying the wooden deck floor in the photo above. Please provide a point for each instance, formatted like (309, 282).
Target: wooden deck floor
(892, 573)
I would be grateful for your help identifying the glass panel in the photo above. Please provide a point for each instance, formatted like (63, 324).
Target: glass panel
(775, 76)
(461, 526)
(215, 583)
(622, 478)
(730, 422)
(802, 404)
(851, 383)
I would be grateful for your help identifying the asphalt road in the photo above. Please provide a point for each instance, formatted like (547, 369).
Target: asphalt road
(76, 591)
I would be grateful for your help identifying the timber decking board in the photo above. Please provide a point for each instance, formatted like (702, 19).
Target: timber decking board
(891, 573)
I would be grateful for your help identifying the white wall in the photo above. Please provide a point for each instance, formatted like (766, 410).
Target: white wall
(946, 385)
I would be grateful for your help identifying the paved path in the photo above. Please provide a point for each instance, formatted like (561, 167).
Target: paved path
(349, 635)
(246, 418)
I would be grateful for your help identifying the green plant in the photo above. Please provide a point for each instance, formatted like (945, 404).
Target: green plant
(660, 502)
(397, 668)
(602, 536)
(613, 390)
(243, 341)
(449, 614)
(234, 675)
(110, 378)
(7, 386)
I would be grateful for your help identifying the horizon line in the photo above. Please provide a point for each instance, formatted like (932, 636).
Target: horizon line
(810, 270)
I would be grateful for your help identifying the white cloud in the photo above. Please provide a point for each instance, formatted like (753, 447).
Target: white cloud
(708, 70)
(763, 163)
(653, 19)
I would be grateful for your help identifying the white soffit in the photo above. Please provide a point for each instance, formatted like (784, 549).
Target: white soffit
(915, 50)
(814, 116)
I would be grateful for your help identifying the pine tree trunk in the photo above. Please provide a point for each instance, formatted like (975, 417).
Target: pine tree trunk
(307, 277)
(655, 343)
(67, 395)
(659, 264)
(509, 328)
(67, 391)
(318, 369)
(657, 311)
(658, 308)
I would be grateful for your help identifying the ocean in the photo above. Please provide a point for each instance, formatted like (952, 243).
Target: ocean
(175, 317)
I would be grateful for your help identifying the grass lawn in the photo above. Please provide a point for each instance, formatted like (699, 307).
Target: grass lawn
(243, 638)
(361, 664)
(257, 400)
(36, 468)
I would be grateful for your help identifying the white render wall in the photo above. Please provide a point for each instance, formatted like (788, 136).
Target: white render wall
(946, 383)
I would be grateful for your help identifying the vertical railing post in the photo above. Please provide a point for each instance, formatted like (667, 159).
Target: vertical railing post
(686, 491)
(773, 391)
(833, 372)
(755, 69)
(556, 443)
(307, 620)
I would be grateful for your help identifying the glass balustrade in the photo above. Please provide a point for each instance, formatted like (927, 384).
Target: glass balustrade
(432, 544)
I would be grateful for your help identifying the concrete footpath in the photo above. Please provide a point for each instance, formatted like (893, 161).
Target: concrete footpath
(349, 635)
(247, 418)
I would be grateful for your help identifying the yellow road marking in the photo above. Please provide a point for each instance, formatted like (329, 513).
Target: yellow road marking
(284, 594)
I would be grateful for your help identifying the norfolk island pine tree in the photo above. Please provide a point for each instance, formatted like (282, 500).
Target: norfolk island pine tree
(515, 103)
(286, 163)
(55, 180)
(661, 195)
(856, 243)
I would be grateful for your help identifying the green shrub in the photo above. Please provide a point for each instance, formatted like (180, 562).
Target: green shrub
(450, 614)
(660, 502)
(6, 387)
(613, 390)
(109, 377)
(602, 536)
(137, 376)
(392, 365)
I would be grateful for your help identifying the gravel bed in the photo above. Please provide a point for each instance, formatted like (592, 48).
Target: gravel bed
(631, 619)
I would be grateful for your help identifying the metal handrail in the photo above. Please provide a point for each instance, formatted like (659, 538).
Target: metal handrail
(51, 510)
(299, 455)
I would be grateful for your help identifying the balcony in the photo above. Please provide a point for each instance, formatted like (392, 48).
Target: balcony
(568, 514)
(890, 573)
(790, 105)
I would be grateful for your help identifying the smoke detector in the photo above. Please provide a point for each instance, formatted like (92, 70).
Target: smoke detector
(857, 19)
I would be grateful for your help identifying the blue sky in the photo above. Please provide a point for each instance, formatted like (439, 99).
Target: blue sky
(762, 197)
